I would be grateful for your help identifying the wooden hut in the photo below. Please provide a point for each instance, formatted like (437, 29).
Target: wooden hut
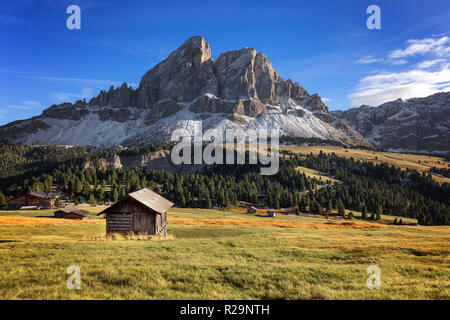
(71, 213)
(141, 212)
(271, 214)
(39, 199)
(251, 209)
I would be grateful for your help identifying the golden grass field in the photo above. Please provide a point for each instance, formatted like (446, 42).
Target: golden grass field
(212, 254)
(421, 163)
(311, 173)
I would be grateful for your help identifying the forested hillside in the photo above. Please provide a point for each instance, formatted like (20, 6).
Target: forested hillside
(362, 186)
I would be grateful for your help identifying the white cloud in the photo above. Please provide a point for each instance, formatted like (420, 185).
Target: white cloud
(380, 88)
(366, 60)
(4, 18)
(25, 105)
(86, 92)
(325, 100)
(429, 63)
(398, 62)
(88, 82)
(438, 46)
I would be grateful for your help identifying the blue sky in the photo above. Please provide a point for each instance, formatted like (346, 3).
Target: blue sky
(324, 45)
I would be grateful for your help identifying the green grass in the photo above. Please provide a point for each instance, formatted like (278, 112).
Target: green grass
(224, 262)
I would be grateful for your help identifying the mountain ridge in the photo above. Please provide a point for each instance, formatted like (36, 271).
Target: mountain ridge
(240, 89)
(419, 125)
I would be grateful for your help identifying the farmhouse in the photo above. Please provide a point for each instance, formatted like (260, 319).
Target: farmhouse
(71, 213)
(143, 211)
(39, 199)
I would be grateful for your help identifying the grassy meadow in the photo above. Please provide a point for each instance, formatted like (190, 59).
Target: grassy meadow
(212, 254)
(311, 173)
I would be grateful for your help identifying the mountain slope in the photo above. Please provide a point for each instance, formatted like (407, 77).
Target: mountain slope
(238, 90)
(413, 125)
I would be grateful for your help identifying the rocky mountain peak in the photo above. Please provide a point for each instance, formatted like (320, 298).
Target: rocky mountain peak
(194, 51)
(240, 88)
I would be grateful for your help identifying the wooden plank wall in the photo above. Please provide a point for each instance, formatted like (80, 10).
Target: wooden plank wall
(144, 222)
(119, 222)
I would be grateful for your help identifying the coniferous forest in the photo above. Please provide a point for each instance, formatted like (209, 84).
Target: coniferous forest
(366, 187)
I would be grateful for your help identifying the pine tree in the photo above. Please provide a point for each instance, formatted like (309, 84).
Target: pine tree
(319, 210)
(226, 200)
(122, 193)
(341, 208)
(364, 213)
(57, 203)
(76, 202)
(2, 200)
(277, 202)
(115, 195)
(208, 201)
(329, 206)
(183, 201)
(91, 200)
(379, 211)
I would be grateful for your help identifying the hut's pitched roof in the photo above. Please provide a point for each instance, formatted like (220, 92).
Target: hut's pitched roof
(40, 194)
(150, 199)
(76, 211)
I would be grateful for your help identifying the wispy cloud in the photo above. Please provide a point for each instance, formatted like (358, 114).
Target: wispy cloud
(438, 46)
(325, 100)
(398, 62)
(85, 93)
(429, 63)
(415, 80)
(380, 88)
(89, 82)
(7, 18)
(367, 60)
(24, 105)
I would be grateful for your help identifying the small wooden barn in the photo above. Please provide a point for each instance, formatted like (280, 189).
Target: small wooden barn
(39, 199)
(71, 213)
(251, 209)
(141, 212)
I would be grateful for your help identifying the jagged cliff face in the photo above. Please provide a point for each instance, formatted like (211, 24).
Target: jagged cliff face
(416, 125)
(159, 160)
(238, 90)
